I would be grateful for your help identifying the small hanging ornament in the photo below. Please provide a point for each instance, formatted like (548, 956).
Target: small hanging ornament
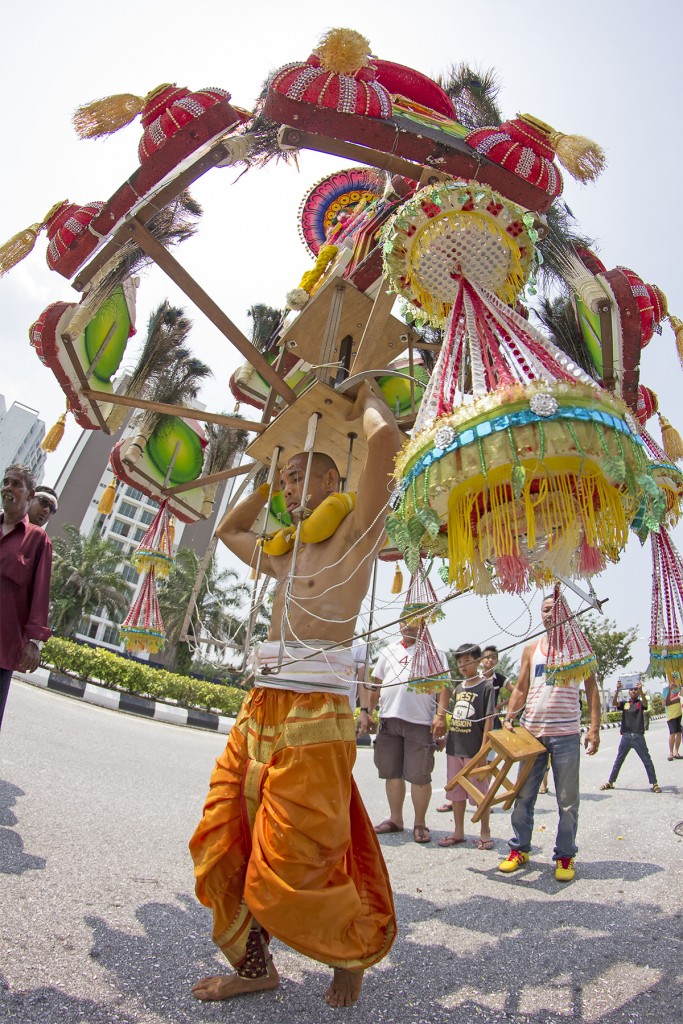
(422, 604)
(671, 439)
(397, 584)
(143, 628)
(570, 656)
(20, 245)
(155, 549)
(427, 674)
(666, 634)
(50, 442)
(106, 503)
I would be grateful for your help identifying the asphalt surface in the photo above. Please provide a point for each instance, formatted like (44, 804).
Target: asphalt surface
(99, 924)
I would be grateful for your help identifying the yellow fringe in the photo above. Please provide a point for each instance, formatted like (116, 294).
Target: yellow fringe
(397, 585)
(677, 327)
(343, 51)
(54, 435)
(563, 501)
(583, 158)
(671, 439)
(106, 502)
(106, 116)
(311, 277)
(20, 245)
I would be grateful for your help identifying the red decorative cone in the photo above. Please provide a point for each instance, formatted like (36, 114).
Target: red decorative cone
(155, 549)
(570, 656)
(143, 628)
(666, 636)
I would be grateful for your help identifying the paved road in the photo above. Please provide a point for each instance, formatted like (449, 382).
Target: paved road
(99, 925)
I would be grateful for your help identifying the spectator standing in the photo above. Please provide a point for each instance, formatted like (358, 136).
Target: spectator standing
(633, 706)
(674, 718)
(25, 567)
(43, 506)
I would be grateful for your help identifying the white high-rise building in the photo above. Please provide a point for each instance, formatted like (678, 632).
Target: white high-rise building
(21, 432)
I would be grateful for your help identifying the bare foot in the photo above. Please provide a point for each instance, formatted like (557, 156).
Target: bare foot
(225, 986)
(345, 987)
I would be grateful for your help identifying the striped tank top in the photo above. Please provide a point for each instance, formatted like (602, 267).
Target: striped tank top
(551, 710)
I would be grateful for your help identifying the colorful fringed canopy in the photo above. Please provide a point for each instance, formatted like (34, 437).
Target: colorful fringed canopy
(666, 636)
(519, 466)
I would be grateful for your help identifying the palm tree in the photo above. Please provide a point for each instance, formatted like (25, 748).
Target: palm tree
(178, 385)
(86, 576)
(266, 321)
(218, 604)
(224, 448)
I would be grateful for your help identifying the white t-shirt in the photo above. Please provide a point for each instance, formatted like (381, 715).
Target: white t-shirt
(393, 666)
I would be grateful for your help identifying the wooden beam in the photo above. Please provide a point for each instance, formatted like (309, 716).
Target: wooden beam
(185, 411)
(210, 478)
(216, 156)
(371, 352)
(169, 264)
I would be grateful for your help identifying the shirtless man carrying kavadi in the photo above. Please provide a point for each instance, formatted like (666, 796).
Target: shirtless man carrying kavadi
(285, 847)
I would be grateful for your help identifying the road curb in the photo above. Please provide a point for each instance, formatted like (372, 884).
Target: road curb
(131, 703)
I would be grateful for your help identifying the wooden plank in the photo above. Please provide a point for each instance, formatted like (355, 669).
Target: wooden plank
(169, 264)
(303, 336)
(288, 430)
(84, 389)
(371, 351)
(210, 478)
(184, 411)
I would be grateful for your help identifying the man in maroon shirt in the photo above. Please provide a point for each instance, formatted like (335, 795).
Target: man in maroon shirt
(25, 565)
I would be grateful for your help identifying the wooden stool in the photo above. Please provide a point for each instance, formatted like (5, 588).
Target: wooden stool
(510, 747)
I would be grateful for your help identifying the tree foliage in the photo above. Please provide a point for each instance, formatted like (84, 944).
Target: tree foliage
(86, 576)
(611, 646)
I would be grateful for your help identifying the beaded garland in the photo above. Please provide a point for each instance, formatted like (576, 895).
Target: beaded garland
(666, 635)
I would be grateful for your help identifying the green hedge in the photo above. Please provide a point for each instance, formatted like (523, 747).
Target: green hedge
(98, 665)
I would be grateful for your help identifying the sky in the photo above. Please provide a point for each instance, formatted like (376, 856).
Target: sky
(601, 68)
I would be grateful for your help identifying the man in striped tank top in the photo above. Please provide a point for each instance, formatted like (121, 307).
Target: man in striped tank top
(552, 713)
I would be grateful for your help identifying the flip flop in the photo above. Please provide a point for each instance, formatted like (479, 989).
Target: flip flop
(421, 834)
(483, 844)
(444, 808)
(386, 827)
(451, 841)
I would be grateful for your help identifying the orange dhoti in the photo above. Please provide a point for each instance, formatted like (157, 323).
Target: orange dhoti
(285, 841)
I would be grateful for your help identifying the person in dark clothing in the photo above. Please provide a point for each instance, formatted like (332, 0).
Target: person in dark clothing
(489, 661)
(633, 706)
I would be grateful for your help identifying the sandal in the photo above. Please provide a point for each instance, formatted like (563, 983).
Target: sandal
(607, 785)
(421, 834)
(387, 827)
(483, 844)
(451, 841)
(444, 808)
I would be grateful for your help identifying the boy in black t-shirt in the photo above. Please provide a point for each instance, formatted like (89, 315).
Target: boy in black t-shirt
(633, 706)
(472, 717)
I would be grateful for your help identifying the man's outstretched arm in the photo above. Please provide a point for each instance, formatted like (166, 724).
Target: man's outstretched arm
(235, 530)
(384, 440)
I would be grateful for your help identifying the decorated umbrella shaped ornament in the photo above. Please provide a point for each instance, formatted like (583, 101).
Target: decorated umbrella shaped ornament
(143, 628)
(422, 608)
(666, 636)
(570, 656)
(520, 468)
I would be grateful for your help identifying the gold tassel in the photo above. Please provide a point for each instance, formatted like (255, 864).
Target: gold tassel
(583, 158)
(677, 327)
(106, 503)
(54, 435)
(106, 116)
(21, 244)
(671, 439)
(343, 51)
(397, 585)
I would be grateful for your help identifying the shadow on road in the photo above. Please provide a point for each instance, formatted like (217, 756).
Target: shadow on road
(479, 958)
(13, 860)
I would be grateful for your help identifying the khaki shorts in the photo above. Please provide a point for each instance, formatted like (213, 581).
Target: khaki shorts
(404, 750)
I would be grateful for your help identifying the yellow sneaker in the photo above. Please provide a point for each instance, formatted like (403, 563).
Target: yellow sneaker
(564, 869)
(515, 859)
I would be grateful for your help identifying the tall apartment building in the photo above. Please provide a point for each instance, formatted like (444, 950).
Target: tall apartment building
(21, 432)
(80, 486)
